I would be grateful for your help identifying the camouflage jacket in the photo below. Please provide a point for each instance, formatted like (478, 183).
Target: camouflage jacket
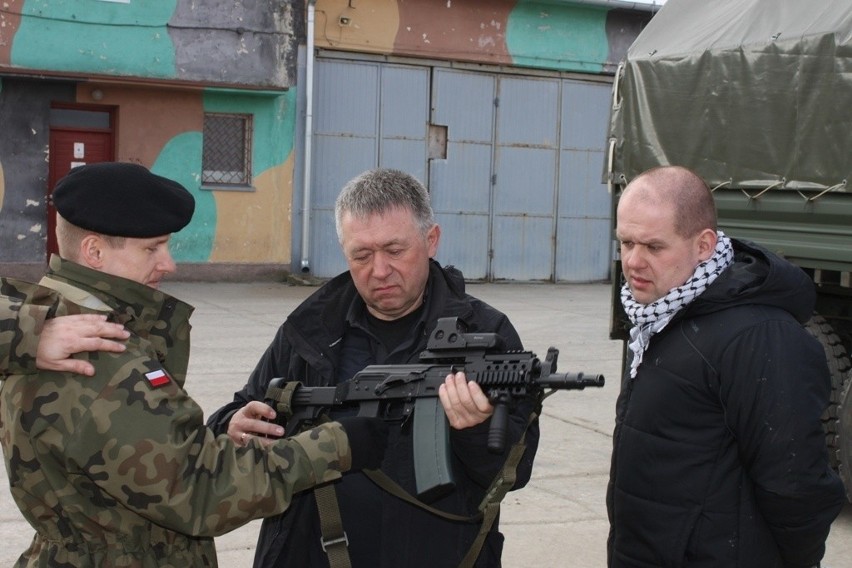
(118, 469)
(20, 326)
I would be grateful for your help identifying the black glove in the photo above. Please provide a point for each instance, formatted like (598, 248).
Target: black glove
(368, 438)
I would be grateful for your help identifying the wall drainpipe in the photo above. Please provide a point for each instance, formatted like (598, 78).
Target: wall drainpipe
(309, 136)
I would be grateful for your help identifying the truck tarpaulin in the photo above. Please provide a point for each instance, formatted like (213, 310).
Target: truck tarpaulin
(748, 93)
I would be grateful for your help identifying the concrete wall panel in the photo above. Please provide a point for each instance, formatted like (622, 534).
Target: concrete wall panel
(24, 137)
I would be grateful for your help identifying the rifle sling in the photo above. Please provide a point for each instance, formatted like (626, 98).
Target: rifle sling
(502, 484)
(381, 479)
(283, 398)
(333, 540)
(488, 508)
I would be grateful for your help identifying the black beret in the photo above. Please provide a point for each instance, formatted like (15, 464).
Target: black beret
(122, 200)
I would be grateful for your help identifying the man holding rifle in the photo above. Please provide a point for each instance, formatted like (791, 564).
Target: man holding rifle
(381, 311)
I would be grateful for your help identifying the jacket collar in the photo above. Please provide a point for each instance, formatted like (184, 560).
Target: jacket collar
(133, 304)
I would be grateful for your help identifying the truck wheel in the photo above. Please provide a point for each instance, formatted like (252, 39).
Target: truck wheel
(837, 418)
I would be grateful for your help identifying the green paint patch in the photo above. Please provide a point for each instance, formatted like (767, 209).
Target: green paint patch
(97, 37)
(193, 243)
(564, 38)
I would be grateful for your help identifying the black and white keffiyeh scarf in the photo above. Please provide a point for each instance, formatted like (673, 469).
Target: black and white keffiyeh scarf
(648, 319)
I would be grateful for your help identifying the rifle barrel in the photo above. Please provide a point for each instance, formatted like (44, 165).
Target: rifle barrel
(571, 381)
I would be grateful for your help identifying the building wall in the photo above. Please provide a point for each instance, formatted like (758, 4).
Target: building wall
(550, 35)
(163, 65)
(23, 165)
(161, 129)
(519, 190)
(160, 66)
(248, 44)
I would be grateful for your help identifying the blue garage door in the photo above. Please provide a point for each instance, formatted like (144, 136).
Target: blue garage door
(513, 163)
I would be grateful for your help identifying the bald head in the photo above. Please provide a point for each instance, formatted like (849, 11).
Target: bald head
(680, 188)
(666, 226)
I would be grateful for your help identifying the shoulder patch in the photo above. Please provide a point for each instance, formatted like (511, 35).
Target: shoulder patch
(158, 378)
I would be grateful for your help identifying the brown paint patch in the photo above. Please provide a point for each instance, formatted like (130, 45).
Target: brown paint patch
(356, 25)
(147, 118)
(10, 21)
(257, 225)
(467, 30)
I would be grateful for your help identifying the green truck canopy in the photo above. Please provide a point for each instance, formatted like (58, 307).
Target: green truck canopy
(749, 93)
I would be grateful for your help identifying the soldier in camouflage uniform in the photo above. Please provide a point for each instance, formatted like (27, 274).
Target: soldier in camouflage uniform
(118, 469)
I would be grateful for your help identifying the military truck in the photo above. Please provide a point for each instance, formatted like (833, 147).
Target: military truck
(755, 96)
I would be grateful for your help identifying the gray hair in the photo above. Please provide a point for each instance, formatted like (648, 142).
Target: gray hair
(379, 190)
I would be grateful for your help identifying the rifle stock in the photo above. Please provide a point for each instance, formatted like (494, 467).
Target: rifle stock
(397, 392)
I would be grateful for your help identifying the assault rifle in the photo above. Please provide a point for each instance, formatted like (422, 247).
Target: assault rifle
(397, 392)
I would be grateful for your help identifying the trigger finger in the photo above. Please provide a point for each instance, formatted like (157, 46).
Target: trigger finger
(451, 389)
(464, 393)
(479, 398)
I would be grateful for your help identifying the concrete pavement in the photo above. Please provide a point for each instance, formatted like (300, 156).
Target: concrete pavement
(559, 519)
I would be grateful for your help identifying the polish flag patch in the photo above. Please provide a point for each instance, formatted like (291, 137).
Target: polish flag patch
(158, 378)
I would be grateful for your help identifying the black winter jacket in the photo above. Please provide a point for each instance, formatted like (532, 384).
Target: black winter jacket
(719, 455)
(324, 340)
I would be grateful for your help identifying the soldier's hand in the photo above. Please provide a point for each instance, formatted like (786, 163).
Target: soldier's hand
(254, 420)
(64, 336)
(368, 439)
(464, 402)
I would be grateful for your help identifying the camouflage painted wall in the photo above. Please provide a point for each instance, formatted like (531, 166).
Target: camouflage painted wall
(552, 35)
(212, 42)
(165, 62)
(23, 165)
(161, 129)
(167, 44)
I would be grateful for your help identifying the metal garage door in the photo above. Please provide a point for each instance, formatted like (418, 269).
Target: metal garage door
(516, 187)
(367, 115)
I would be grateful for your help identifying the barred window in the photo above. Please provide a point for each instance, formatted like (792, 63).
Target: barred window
(226, 154)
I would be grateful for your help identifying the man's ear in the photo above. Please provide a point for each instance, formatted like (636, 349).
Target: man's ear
(92, 251)
(706, 241)
(432, 239)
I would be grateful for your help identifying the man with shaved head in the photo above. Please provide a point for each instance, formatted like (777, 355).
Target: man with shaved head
(718, 456)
